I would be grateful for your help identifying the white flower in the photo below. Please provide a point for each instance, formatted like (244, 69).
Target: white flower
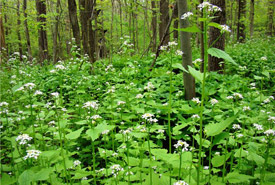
(32, 154)
(246, 108)
(138, 96)
(52, 71)
(271, 118)
(186, 15)
(264, 58)
(225, 28)
(229, 97)
(214, 101)
(23, 139)
(37, 93)
(91, 104)
(51, 123)
(55, 94)
(60, 67)
(149, 86)
(127, 131)
(217, 153)
(95, 117)
(180, 183)
(197, 61)
(182, 144)
(179, 53)
(163, 48)
(257, 126)
(147, 116)
(269, 132)
(253, 84)
(120, 103)
(116, 168)
(105, 132)
(238, 95)
(206, 167)
(173, 43)
(196, 100)
(77, 163)
(3, 104)
(236, 127)
(195, 116)
(209, 7)
(160, 131)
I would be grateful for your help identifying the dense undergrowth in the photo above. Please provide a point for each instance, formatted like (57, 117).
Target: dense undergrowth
(108, 124)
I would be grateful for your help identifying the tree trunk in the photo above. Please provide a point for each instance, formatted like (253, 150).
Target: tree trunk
(270, 15)
(55, 34)
(176, 23)
(27, 34)
(2, 39)
(74, 21)
(214, 63)
(18, 30)
(202, 42)
(42, 33)
(164, 19)
(241, 20)
(154, 26)
(252, 13)
(189, 81)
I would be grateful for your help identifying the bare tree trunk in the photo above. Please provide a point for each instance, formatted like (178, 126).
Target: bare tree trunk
(252, 13)
(202, 42)
(189, 81)
(27, 34)
(74, 21)
(270, 16)
(241, 24)
(154, 26)
(42, 33)
(214, 63)
(55, 33)
(2, 38)
(164, 19)
(176, 23)
(18, 30)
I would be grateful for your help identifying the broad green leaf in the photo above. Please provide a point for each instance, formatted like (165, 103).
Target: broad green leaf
(237, 178)
(205, 142)
(214, 129)
(221, 54)
(266, 73)
(176, 129)
(7, 179)
(79, 174)
(196, 74)
(43, 174)
(255, 157)
(218, 161)
(75, 134)
(94, 133)
(81, 122)
(26, 177)
(179, 66)
(214, 24)
(192, 29)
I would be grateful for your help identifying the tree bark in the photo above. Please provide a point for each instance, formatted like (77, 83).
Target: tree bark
(270, 16)
(176, 23)
(252, 13)
(164, 19)
(42, 33)
(74, 21)
(27, 34)
(241, 24)
(189, 81)
(202, 42)
(55, 34)
(154, 26)
(18, 30)
(215, 64)
(2, 39)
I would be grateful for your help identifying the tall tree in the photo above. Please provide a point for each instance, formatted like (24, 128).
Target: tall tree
(18, 30)
(55, 34)
(201, 41)
(164, 19)
(42, 33)
(214, 63)
(154, 26)
(176, 23)
(241, 20)
(189, 81)
(2, 38)
(252, 13)
(270, 16)
(27, 33)
(74, 21)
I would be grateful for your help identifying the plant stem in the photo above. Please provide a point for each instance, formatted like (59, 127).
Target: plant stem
(128, 163)
(223, 169)
(209, 159)
(93, 153)
(150, 156)
(265, 162)
(180, 165)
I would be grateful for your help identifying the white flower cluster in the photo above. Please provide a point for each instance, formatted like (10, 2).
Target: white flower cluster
(127, 131)
(32, 154)
(149, 117)
(224, 28)
(27, 86)
(186, 15)
(91, 104)
(116, 168)
(109, 67)
(236, 127)
(195, 116)
(238, 95)
(37, 93)
(173, 43)
(128, 44)
(55, 94)
(269, 132)
(269, 99)
(149, 86)
(214, 101)
(3, 104)
(105, 132)
(77, 163)
(183, 145)
(163, 48)
(60, 67)
(246, 108)
(196, 100)
(23, 139)
(180, 183)
(197, 61)
(95, 117)
(179, 53)
(139, 96)
(271, 118)
(264, 58)
(257, 126)
(120, 103)
(209, 7)
(112, 90)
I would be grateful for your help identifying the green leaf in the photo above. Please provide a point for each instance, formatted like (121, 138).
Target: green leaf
(255, 157)
(221, 54)
(214, 24)
(192, 29)
(81, 122)
(179, 66)
(94, 133)
(266, 73)
(26, 177)
(218, 161)
(75, 134)
(196, 74)
(7, 179)
(43, 174)
(214, 129)
(237, 178)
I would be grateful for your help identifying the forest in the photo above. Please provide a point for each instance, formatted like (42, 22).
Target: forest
(137, 92)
